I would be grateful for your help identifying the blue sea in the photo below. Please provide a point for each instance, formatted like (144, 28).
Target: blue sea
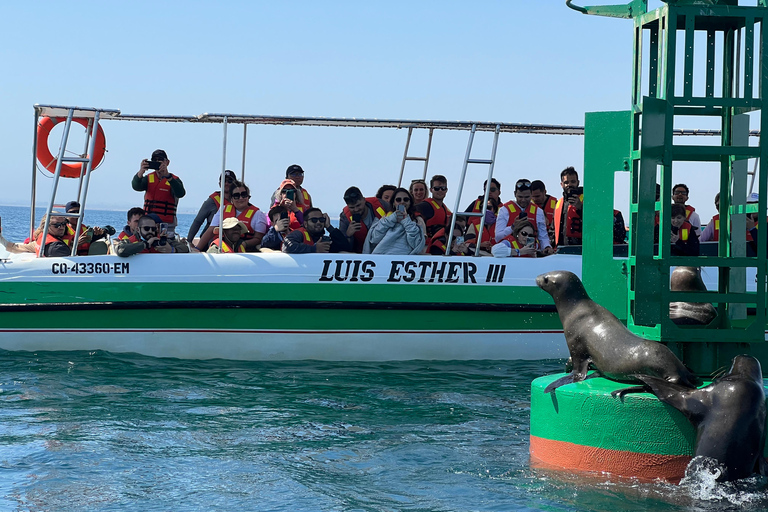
(99, 431)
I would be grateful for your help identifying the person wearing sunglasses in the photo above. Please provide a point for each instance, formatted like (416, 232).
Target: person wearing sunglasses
(301, 200)
(162, 190)
(401, 232)
(359, 215)
(489, 223)
(133, 216)
(242, 210)
(288, 195)
(211, 205)
(147, 239)
(418, 190)
(433, 210)
(523, 209)
(547, 203)
(311, 237)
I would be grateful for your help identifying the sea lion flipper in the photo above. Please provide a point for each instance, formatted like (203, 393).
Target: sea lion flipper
(682, 398)
(632, 389)
(567, 379)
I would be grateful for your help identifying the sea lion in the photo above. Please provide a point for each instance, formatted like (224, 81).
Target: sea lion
(685, 279)
(729, 416)
(595, 336)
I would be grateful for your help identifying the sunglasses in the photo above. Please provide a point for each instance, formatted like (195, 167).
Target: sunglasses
(526, 233)
(402, 200)
(413, 182)
(296, 173)
(59, 224)
(149, 229)
(238, 195)
(439, 189)
(494, 189)
(316, 219)
(229, 180)
(522, 184)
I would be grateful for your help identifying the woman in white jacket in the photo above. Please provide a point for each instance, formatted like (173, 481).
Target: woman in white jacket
(400, 232)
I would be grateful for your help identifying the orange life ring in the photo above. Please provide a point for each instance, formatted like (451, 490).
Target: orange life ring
(68, 170)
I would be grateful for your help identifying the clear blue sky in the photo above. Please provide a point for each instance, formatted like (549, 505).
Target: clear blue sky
(510, 61)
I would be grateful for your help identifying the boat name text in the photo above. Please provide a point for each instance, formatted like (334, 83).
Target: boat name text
(90, 268)
(410, 271)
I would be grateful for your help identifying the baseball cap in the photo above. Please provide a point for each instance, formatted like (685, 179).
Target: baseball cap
(287, 184)
(70, 205)
(352, 195)
(229, 174)
(293, 169)
(159, 155)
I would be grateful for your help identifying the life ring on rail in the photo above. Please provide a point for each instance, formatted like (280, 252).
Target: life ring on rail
(68, 170)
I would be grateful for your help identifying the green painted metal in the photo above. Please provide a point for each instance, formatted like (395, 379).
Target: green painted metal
(629, 10)
(685, 64)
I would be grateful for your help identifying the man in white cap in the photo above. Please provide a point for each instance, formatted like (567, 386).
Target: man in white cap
(232, 239)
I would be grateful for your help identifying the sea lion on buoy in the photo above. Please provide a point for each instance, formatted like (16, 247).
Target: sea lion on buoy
(729, 416)
(595, 336)
(688, 279)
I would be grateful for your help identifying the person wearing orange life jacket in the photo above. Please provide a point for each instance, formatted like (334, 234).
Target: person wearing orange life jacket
(433, 210)
(519, 210)
(358, 216)
(310, 238)
(288, 196)
(302, 200)
(547, 203)
(488, 237)
(85, 239)
(148, 239)
(418, 190)
(211, 205)
(568, 212)
(162, 190)
(684, 240)
(281, 226)
(133, 216)
(462, 243)
(680, 196)
(232, 240)
(241, 208)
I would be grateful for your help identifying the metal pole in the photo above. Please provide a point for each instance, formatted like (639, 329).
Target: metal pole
(429, 148)
(405, 157)
(245, 138)
(449, 235)
(487, 192)
(86, 144)
(86, 178)
(55, 184)
(34, 179)
(222, 179)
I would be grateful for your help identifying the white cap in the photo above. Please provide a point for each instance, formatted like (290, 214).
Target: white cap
(753, 197)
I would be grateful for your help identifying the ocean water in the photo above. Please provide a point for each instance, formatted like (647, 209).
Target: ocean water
(101, 431)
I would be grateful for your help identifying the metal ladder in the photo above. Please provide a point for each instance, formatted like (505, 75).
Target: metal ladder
(467, 160)
(93, 116)
(407, 158)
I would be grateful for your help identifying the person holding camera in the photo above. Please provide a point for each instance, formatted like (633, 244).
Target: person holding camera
(433, 209)
(568, 212)
(243, 210)
(401, 232)
(356, 219)
(281, 226)
(522, 209)
(87, 235)
(162, 190)
(148, 239)
(311, 237)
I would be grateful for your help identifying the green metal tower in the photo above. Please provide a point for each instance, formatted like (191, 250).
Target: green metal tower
(693, 60)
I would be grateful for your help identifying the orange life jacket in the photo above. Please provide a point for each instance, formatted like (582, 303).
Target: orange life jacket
(133, 239)
(246, 216)
(378, 212)
(69, 238)
(123, 236)
(39, 248)
(307, 201)
(225, 247)
(159, 198)
(573, 222)
(688, 211)
(550, 204)
(305, 237)
(531, 212)
(215, 196)
(441, 217)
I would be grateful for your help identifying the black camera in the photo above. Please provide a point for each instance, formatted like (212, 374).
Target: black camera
(283, 215)
(109, 230)
(572, 192)
(155, 165)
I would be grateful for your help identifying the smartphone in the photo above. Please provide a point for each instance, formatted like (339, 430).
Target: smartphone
(154, 165)
(523, 215)
(356, 217)
(459, 240)
(164, 228)
(530, 242)
(290, 194)
(283, 215)
(89, 233)
(326, 239)
(401, 207)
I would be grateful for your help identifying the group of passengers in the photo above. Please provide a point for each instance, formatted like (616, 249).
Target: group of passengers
(393, 221)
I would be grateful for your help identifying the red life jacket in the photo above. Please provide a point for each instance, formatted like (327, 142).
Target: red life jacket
(489, 235)
(716, 231)
(688, 211)
(514, 212)
(225, 247)
(441, 217)
(573, 222)
(159, 198)
(133, 239)
(378, 212)
(307, 201)
(123, 236)
(305, 236)
(550, 204)
(685, 231)
(69, 238)
(215, 196)
(48, 240)
(246, 216)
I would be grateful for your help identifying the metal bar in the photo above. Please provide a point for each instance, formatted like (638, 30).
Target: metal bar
(85, 152)
(242, 168)
(34, 179)
(429, 149)
(749, 58)
(487, 191)
(85, 179)
(449, 235)
(55, 185)
(710, 87)
(690, 26)
(222, 184)
(405, 157)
